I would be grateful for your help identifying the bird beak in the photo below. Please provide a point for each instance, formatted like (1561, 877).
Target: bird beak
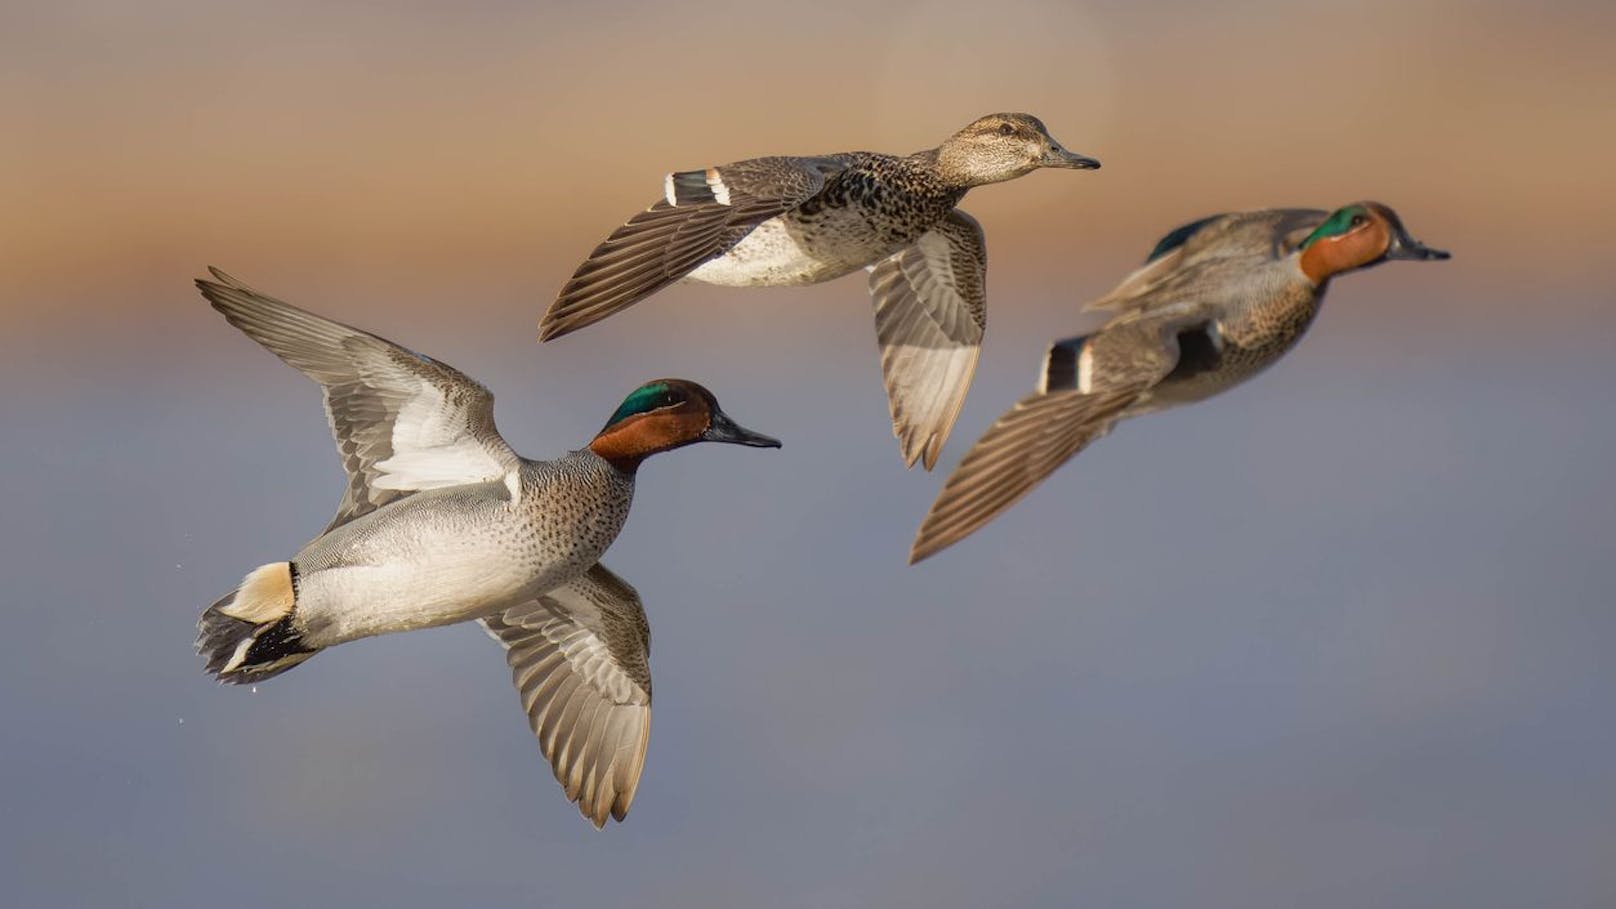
(723, 429)
(1406, 247)
(1055, 156)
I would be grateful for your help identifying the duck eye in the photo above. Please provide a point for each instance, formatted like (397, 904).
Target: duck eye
(1007, 129)
(1359, 221)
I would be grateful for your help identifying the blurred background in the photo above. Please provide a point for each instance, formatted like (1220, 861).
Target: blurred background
(1338, 638)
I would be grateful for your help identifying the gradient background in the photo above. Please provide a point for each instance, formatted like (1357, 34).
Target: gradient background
(1341, 638)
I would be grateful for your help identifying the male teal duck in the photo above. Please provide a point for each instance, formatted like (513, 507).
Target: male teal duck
(784, 221)
(443, 522)
(1217, 301)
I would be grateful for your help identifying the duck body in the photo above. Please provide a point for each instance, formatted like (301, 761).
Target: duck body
(1216, 302)
(1223, 354)
(458, 553)
(780, 221)
(442, 522)
(871, 206)
(1242, 306)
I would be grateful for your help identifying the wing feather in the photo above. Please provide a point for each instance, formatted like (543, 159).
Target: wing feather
(1048, 428)
(704, 214)
(1179, 260)
(579, 660)
(930, 313)
(403, 422)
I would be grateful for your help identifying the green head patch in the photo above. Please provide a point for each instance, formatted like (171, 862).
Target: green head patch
(646, 398)
(1339, 222)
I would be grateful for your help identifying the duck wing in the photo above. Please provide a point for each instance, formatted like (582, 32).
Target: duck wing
(1219, 241)
(930, 313)
(578, 656)
(1082, 395)
(402, 421)
(703, 214)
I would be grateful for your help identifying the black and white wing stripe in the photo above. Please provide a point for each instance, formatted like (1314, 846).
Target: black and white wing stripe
(930, 313)
(1087, 385)
(703, 214)
(403, 422)
(578, 656)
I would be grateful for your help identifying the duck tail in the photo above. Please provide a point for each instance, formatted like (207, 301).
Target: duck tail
(248, 636)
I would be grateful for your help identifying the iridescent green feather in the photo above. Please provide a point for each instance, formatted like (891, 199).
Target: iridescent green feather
(1339, 222)
(647, 397)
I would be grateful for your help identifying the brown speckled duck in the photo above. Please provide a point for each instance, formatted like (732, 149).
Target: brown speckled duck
(443, 522)
(784, 221)
(1217, 301)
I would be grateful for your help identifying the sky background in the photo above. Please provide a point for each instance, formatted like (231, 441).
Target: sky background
(1339, 638)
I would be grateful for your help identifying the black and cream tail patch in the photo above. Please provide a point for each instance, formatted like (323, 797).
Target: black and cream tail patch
(248, 636)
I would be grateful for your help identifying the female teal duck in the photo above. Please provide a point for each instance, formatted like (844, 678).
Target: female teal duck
(1217, 301)
(443, 522)
(782, 221)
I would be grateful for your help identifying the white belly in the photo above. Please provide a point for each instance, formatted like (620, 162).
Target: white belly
(342, 604)
(780, 252)
(428, 574)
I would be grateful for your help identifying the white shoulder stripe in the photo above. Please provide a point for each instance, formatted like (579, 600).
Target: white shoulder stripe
(1085, 369)
(720, 191)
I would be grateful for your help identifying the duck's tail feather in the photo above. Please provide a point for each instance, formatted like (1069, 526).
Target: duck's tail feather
(248, 635)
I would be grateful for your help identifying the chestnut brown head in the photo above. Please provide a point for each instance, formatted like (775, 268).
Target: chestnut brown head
(666, 414)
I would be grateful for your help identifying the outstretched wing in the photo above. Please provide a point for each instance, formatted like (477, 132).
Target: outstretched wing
(403, 422)
(578, 656)
(1087, 385)
(930, 312)
(1025, 445)
(703, 214)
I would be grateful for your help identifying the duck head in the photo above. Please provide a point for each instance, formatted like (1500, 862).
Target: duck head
(666, 414)
(1359, 235)
(1002, 147)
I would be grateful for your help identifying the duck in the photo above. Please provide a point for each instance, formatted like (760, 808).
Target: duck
(443, 522)
(1217, 301)
(781, 221)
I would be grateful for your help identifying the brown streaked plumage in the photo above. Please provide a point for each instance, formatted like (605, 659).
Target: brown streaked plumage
(801, 220)
(1217, 301)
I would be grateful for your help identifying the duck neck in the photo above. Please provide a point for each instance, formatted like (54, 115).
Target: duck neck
(947, 175)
